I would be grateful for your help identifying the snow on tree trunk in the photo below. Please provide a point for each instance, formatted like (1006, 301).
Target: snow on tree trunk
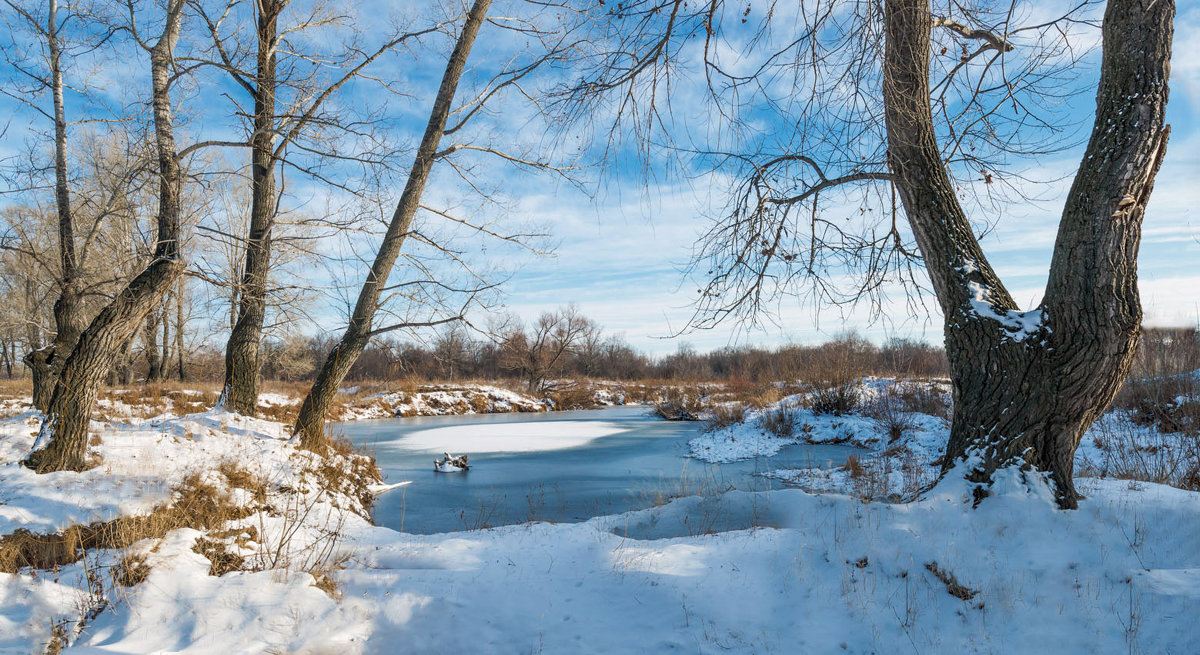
(1028, 384)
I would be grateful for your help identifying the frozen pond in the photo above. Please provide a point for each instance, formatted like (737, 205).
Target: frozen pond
(559, 466)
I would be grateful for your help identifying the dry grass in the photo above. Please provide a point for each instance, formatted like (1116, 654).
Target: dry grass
(195, 504)
(953, 586)
(1170, 404)
(723, 415)
(680, 405)
(1130, 452)
(16, 388)
(348, 469)
(573, 394)
(855, 468)
(131, 570)
(925, 397)
(781, 421)
(892, 415)
(837, 399)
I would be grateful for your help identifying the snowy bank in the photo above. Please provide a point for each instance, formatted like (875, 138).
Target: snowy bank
(782, 571)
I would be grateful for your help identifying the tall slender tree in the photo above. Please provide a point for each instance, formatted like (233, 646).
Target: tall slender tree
(293, 106)
(46, 363)
(310, 424)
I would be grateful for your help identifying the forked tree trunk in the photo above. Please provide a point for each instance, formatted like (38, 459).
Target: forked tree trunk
(310, 424)
(62, 442)
(1028, 384)
(46, 364)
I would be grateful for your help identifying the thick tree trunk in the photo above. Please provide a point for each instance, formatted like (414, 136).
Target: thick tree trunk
(242, 361)
(46, 364)
(1028, 384)
(310, 424)
(62, 442)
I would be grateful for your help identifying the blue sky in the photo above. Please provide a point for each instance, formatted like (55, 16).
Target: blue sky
(620, 249)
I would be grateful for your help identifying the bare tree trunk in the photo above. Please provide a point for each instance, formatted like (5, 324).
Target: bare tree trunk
(46, 364)
(62, 441)
(7, 361)
(165, 361)
(1028, 384)
(310, 424)
(150, 343)
(242, 360)
(182, 371)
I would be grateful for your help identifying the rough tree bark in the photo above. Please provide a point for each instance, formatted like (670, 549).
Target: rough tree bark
(1028, 384)
(310, 425)
(182, 371)
(62, 442)
(242, 361)
(46, 364)
(154, 362)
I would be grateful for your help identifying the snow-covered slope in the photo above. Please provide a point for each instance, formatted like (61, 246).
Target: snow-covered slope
(773, 572)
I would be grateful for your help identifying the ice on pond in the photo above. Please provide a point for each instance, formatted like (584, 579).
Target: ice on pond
(530, 436)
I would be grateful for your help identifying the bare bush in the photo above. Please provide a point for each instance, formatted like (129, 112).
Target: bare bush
(1170, 404)
(723, 415)
(893, 417)
(679, 405)
(841, 398)
(1132, 452)
(780, 421)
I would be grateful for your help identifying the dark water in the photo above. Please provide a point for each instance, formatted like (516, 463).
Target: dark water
(640, 465)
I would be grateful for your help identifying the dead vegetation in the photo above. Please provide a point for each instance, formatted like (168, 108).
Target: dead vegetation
(723, 415)
(680, 404)
(953, 586)
(781, 421)
(195, 504)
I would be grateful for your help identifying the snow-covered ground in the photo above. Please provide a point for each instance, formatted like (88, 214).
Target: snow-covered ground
(783, 571)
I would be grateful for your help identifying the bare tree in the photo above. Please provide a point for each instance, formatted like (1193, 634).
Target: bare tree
(46, 363)
(62, 441)
(1028, 384)
(292, 122)
(540, 352)
(893, 117)
(426, 295)
(310, 425)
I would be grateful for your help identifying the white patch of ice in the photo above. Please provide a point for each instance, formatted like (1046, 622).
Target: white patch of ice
(508, 438)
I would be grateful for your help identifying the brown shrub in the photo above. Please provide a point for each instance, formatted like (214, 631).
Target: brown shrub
(725, 414)
(781, 421)
(1170, 404)
(573, 395)
(888, 410)
(679, 405)
(838, 399)
(925, 399)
